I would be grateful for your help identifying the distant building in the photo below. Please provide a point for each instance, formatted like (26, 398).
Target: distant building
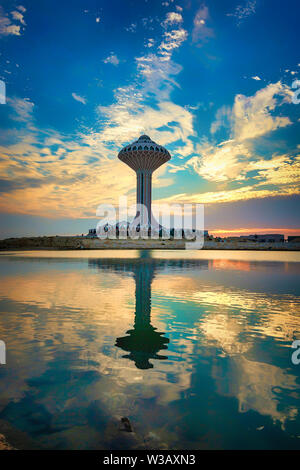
(267, 238)
(232, 239)
(294, 239)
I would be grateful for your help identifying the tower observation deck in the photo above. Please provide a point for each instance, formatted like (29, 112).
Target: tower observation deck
(144, 156)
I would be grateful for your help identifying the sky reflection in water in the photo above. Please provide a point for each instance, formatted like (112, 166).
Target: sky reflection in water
(195, 348)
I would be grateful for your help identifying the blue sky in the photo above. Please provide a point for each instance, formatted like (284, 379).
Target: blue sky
(212, 81)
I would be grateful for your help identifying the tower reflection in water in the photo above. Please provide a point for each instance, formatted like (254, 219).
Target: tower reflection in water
(143, 342)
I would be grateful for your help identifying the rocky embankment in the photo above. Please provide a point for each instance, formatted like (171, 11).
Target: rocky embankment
(86, 243)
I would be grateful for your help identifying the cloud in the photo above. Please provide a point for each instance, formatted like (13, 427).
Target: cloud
(158, 69)
(172, 18)
(21, 8)
(256, 77)
(129, 115)
(79, 98)
(223, 118)
(201, 32)
(242, 12)
(281, 170)
(126, 122)
(221, 163)
(18, 17)
(62, 194)
(148, 22)
(22, 109)
(112, 59)
(243, 193)
(8, 27)
(60, 172)
(172, 40)
(131, 28)
(252, 116)
(54, 176)
(150, 42)
(234, 160)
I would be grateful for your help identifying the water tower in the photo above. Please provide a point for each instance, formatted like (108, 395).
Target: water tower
(144, 156)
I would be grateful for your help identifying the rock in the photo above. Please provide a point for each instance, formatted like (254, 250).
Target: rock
(126, 425)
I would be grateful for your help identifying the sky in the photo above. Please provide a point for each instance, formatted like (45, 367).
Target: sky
(215, 82)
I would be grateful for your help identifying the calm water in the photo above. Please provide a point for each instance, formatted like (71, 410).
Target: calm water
(193, 347)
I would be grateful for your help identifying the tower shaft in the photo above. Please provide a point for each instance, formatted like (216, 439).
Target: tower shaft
(144, 195)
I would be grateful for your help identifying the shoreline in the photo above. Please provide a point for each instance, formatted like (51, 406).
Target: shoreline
(69, 243)
(164, 248)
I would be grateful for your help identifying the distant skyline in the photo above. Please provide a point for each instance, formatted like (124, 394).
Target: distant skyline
(211, 81)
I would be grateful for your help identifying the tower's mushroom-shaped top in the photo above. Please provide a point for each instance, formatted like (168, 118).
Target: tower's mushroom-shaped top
(144, 154)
